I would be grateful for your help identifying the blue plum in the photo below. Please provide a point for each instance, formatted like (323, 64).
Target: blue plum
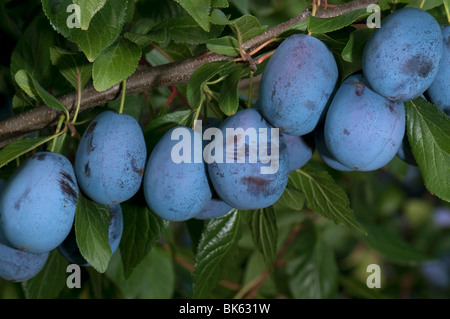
(439, 90)
(176, 185)
(297, 84)
(401, 59)
(404, 152)
(69, 248)
(300, 150)
(38, 203)
(17, 265)
(324, 153)
(246, 177)
(110, 158)
(215, 208)
(363, 130)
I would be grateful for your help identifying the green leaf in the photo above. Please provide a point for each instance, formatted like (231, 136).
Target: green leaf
(88, 8)
(353, 50)
(154, 131)
(142, 40)
(248, 26)
(218, 238)
(91, 231)
(426, 5)
(312, 269)
(72, 66)
(225, 45)
(324, 25)
(391, 245)
(324, 196)
(428, 130)
(115, 64)
(104, 27)
(186, 30)
(46, 97)
(24, 81)
(229, 92)
(201, 76)
(263, 225)
(153, 278)
(54, 272)
(219, 4)
(141, 230)
(292, 198)
(31, 52)
(17, 148)
(358, 289)
(199, 10)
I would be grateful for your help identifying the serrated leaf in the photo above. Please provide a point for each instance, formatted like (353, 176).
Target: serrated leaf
(141, 230)
(263, 225)
(229, 92)
(324, 196)
(71, 65)
(91, 231)
(225, 45)
(28, 80)
(199, 10)
(17, 148)
(54, 272)
(201, 76)
(428, 130)
(218, 238)
(186, 30)
(88, 8)
(115, 64)
(392, 246)
(292, 198)
(312, 269)
(104, 27)
(324, 25)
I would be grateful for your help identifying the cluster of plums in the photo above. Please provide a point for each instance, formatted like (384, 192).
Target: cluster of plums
(357, 125)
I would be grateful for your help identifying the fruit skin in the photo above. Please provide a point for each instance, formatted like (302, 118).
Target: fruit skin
(297, 84)
(18, 266)
(324, 153)
(300, 151)
(401, 59)
(363, 130)
(404, 152)
(175, 192)
(110, 158)
(439, 90)
(242, 185)
(69, 248)
(215, 208)
(38, 203)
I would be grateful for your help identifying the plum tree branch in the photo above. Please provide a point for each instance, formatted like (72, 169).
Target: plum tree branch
(170, 74)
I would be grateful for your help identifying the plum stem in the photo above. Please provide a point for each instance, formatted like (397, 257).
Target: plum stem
(122, 100)
(77, 109)
(58, 129)
(250, 90)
